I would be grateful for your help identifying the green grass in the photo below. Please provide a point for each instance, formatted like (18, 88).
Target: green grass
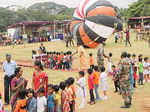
(141, 94)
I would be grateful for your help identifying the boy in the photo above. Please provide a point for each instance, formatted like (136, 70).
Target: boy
(146, 71)
(96, 75)
(91, 61)
(115, 78)
(141, 69)
(41, 101)
(91, 86)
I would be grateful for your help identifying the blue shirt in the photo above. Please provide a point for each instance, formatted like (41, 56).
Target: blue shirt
(32, 105)
(50, 102)
(9, 68)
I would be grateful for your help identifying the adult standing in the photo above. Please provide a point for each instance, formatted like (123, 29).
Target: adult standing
(82, 57)
(40, 79)
(42, 48)
(18, 83)
(8, 67)
(124, 75)
(100, 56)
(127, 37)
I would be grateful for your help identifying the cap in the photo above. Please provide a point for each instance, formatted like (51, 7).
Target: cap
(8, 55)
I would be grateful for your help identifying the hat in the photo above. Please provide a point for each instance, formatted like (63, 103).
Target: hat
(8, 55)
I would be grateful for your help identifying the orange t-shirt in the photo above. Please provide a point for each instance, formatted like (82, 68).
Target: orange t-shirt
(91, 61)
(59, 59)
(96, 76)
(21, 106)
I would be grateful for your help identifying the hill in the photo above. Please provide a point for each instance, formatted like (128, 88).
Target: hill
(52, 8)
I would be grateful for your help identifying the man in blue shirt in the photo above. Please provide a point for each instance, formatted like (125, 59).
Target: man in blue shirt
(9, 67)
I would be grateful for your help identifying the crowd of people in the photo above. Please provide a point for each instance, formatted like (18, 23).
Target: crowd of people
(45, 97)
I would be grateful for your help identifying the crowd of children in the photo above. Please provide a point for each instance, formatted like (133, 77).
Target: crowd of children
(59, 60)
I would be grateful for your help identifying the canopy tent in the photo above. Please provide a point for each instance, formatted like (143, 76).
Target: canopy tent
(136, 22)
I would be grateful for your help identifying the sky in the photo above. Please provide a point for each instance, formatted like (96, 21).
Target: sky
(69, 3)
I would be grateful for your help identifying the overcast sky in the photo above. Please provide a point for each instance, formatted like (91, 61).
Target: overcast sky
(69, 3)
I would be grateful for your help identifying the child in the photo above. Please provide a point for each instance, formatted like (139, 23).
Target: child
(64, 98)
(31, 102)
(103, 80)
(140, 69)
(81, 83)
(110, 63)
(115, 78)
(145, 65)
(91, 86)
(72, 87)
(1, 104)
(96, 75)
(20, 105)
(57, 99)
(50, 99)
(41, 101)
(70, 93)
(70, 63)
(91, 61)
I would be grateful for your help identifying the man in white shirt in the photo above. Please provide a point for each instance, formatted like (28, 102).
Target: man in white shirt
(8, 67)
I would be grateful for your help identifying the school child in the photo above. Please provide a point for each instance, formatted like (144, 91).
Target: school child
(54, 60)
(91, 86)
(103, 80)
(21, 103)
(70, 58)
(41, 101)
(96, 75)
(59, 61)
(70, 93)
(91, 61)
(51, 60)
(145, 65)
(50, 99)
(64, 98)
(31, 102)
(141, 70)
(110, 63)
(115, 78)
(134, 74)
(73, 95)
(67, 60)
(1, 104)
(57, 99)
(64, 61)
(81, 91)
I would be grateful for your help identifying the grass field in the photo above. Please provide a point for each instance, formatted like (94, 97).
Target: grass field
(141, 94)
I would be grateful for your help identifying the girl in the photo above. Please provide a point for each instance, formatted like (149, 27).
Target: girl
(64, 98)
(41, 101)
(81, 83)
(1, 104)
(57, 99)
(50, 99)
(103, 80)
(40, 79)
(72, 87)
(18, 83)
(31, 102)
(21, 103)
(145, 65)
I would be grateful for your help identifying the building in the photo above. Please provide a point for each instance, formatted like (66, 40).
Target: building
(38, 28)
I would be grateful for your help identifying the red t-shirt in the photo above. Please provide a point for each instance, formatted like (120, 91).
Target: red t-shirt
(38, 80)
(90, 82)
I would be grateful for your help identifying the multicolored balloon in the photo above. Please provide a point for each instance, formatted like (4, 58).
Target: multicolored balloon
(94, 21)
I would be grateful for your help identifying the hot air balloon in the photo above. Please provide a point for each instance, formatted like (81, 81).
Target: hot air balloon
(94, 21)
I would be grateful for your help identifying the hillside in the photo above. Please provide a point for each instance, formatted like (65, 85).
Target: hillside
(52, 8)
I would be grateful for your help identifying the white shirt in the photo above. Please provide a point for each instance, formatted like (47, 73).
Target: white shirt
(103, 78)
(145, 65)
(1, 105)
(9, 68)
(41, 103)
(81, 87)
